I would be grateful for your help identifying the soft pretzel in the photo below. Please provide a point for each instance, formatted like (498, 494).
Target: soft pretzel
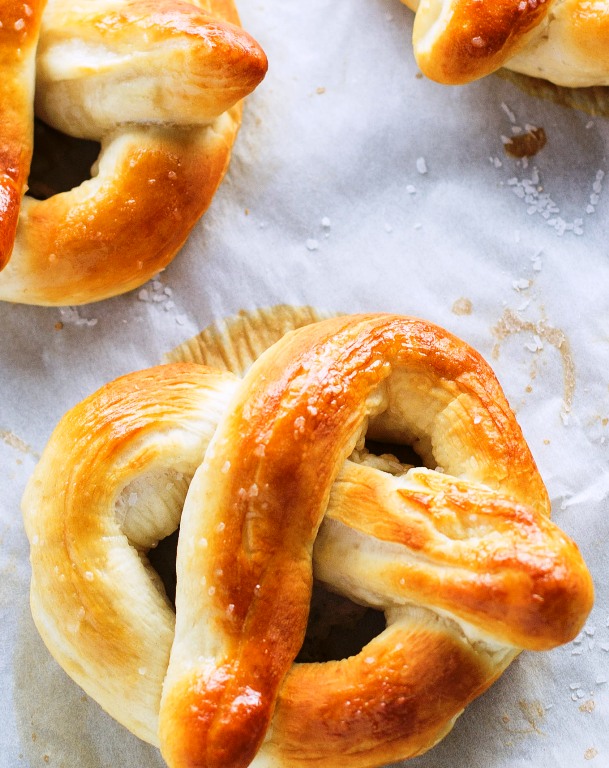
(159, 84)
(563, 41)
(269, 480)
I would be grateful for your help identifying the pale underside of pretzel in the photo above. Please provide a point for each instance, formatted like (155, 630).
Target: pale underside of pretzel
(563, 41)
(266, 476)
(159, 83)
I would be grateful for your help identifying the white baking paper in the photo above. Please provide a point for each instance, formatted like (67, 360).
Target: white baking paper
(358, 185)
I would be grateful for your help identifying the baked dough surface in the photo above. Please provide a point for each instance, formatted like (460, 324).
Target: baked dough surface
(270, 481)
(563, 41)
(159, 83)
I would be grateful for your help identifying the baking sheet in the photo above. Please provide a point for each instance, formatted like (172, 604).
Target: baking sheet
(358, 185)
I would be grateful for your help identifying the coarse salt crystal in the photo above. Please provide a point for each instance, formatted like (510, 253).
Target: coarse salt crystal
(312, 244)
(508, 112)
(421, 165)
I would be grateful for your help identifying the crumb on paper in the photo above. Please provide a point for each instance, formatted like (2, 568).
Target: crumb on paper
(587, 706)
(590, 753)
(462, 306)
(320, 90)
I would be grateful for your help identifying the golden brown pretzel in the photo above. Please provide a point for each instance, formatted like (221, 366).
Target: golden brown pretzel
(159, 84)
(464, 562)
(563, 41)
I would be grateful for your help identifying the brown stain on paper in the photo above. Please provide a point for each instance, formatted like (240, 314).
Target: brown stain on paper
(532, 712)
(17, 443)
(511, 324)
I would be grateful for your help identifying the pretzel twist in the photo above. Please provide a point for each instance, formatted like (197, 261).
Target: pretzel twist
(563, 41)
(465, 563)
(159, 84)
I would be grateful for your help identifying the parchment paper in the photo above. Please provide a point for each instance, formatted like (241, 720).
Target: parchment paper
(357, 185)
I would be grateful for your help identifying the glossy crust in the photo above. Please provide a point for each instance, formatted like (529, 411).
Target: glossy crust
(563, 41)
(18, 31)
(465, 562)
(159, 83)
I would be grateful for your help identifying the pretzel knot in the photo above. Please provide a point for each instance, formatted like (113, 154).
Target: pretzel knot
(465, 562)
(158, 83)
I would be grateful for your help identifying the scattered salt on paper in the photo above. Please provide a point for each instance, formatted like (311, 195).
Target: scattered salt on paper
(71, 316)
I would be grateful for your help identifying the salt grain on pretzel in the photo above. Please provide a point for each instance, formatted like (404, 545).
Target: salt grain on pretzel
(159, 84)
(465, 563)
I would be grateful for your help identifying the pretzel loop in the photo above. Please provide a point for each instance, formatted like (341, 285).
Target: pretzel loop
(464, 562)
(159, 84)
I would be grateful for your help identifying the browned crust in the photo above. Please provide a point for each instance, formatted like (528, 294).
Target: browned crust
(19, 31)
(112, 234)
(275, 466)
(392, 701)
(477, 37)
(287, 436)
(80, 248)
(529, 591)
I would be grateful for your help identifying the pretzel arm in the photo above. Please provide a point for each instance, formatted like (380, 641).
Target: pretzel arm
(142, 61)
(393, 700)
(431, 539)
(285, 437)
(81, 243)
(456, 41)
(19, 29)
(132, 448)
